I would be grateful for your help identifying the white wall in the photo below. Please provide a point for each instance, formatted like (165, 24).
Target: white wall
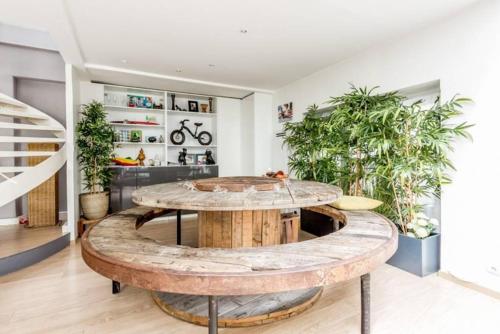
(72, 167)
(229, 136)
(462, 52)
(256, 133)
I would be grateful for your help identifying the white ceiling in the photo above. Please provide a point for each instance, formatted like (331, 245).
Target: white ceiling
(286, 39)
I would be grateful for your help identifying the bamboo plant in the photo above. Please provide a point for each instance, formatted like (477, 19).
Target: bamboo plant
(376, 145)
(95, 143)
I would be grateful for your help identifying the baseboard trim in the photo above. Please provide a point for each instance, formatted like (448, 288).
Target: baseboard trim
(469, 285)
(9, 221)
(29, 257)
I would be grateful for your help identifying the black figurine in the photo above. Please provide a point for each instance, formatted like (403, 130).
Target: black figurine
(172, 96)
(210, 159)
(182, 157)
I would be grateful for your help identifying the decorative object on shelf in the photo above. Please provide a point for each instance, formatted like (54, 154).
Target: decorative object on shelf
(277, 175)
(116, 136)
(151, 139)
(209, 160)
(172, 98)
(125, 161)
(157, 161)
(201, 159)
(182, 157)
(151, 119)
(141, 157)
(137, 101)
(210, 104)
(158, 105)
(94, 138)
(193, 106)
(178, 108)
(135, 122)
(191, 159)
(178, 137)
(285, 112)
(136, 136)
(124, 136)
(151, 162)
(204, 107)
(161, 139)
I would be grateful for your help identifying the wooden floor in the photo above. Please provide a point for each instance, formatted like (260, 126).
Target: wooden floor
(17, 238)
(62, 295)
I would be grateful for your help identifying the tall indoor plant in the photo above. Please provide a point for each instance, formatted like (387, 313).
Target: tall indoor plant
(95, 144)
(380, 146)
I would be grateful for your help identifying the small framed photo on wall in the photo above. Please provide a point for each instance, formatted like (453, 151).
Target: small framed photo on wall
(193, 106)
(285, 112)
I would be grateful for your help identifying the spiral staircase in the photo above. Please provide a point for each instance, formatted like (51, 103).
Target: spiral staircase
(15, 181)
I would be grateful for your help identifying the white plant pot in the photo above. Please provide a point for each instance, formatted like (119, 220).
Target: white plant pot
(95, 206)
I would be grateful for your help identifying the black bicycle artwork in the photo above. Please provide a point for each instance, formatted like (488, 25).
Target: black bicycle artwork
(178, 137)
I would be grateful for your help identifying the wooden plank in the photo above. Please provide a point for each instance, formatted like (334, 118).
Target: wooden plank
(257, 217)
(209, 228)
(247, 228)
(183, 195)
(226, 226)
(217, 229)
(237, 229)
(202, 229)
(114, 249)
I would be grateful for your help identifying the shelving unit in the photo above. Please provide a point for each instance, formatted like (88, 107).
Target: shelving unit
(168, 119)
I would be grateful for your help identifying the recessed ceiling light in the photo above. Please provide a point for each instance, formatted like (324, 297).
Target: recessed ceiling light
(211, 65)
(243, 31)
(124, 61)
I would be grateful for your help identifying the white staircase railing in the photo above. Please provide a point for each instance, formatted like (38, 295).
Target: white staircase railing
(16, 181)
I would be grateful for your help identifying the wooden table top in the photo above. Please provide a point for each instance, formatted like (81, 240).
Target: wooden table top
(185, 196)
(114, 249)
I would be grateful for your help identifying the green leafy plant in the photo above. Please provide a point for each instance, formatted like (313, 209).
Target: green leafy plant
(376, 145)
(95, 144)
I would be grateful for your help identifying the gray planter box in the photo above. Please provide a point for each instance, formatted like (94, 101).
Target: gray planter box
(418, 256)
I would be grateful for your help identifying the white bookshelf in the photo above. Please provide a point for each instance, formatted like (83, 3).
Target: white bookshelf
(118, 110)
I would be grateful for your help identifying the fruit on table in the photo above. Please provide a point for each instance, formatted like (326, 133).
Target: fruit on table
(125, 161)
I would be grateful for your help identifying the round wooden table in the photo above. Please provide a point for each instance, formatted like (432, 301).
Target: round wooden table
(238, 212)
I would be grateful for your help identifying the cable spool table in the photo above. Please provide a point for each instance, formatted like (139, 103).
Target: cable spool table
(236, 212)
(230, 276)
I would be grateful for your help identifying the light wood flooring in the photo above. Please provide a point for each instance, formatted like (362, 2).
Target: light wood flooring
(17, 238)
(62, 295)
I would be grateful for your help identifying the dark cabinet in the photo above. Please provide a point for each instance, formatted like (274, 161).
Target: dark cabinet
(126, 179)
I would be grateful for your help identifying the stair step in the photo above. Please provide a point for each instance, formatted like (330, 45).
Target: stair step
(14, 139)
(17, 154)
(21, 114)
(21, 126)
(14, 169)
(10, 101)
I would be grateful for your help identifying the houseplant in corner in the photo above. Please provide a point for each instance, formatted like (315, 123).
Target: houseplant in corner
(411, 149)
(379, 146)
(95, 144)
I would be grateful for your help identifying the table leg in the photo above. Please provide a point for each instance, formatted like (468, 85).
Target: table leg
(365, 304)
(179, 238)
(213, 314)
(116, 287)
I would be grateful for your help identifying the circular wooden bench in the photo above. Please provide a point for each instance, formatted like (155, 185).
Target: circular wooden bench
(114, 249)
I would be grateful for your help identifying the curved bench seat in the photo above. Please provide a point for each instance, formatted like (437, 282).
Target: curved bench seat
(114, 249)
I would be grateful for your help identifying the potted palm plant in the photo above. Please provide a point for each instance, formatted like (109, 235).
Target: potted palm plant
(410, 150)
(95, 144)
(376, 145)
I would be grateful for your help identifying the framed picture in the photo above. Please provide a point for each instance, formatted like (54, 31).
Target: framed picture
(193, 106)
(191, 159)
(137, 101)
(285, 112)
(136, 136)
(201, 159)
